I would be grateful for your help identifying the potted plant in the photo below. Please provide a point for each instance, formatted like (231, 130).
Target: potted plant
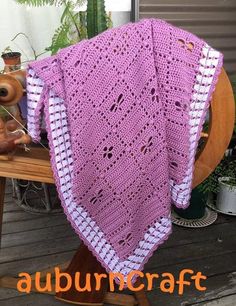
(75, 25)
(221, 185)
(12, 59)
(226, 199)
(197, 205)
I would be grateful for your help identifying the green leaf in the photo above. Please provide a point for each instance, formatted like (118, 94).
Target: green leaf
(226, 168)
(65, 13)
(60, 39)
(40, 2)
(51, 2)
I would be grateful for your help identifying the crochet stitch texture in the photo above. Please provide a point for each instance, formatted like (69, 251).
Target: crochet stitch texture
(124, 112)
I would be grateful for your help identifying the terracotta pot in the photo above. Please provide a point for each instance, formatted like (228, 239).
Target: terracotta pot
(11, 58)
(12, 61)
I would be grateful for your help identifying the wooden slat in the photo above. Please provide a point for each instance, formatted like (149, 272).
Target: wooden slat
(44, 234)
(31, 176)
(49, 300)
(209, 19)
(18, 216)
(35, 263)
(214, 31)
(225, 301)
(189, 6)
(213, 265)
(26, 225)
(187, 3)
(225, 43)
(36, 156)
(190, 252)
(34, 300)
(33, 165)
(217, 286)
(182, 18)
(41, 248)
(188, 236)
(11, 206)
(29, 168)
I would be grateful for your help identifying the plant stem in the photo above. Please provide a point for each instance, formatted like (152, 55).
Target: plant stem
(32, 48)
(73, 19)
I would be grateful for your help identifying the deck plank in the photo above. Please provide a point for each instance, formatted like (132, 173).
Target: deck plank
(225, 301)
(39, 248)
(32, 300)
(31, 265)
(35, 242)
(37, 235)
(218, 286)
(31, 223)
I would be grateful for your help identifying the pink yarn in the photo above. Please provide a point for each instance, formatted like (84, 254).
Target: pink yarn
(124, 112)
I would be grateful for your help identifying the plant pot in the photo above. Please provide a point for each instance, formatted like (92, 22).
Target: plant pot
(12, 61)
(197, 206)
(11, 58)
(226, 199)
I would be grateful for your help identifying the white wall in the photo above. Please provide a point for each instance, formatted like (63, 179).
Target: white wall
(115, 5)
(39, 24)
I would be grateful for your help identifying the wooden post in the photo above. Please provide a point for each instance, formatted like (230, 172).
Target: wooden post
(85, 263)
(141, 296)
(2, 194)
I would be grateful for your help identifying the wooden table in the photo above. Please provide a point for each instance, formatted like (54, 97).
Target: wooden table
(33, 165)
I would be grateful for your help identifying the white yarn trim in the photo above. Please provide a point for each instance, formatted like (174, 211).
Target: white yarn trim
(33, 96)
(181, 192)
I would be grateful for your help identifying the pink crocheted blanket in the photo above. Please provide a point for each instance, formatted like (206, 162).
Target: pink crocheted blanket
(124, 112)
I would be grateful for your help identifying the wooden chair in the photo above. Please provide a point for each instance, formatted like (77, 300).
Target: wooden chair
(35, 166)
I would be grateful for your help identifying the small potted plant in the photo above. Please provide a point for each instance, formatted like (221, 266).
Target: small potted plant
(221, 185)
(12, 60)
(226, 199)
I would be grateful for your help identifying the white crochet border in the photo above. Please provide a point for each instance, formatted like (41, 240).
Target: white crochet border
(61, 156)
(181, 193)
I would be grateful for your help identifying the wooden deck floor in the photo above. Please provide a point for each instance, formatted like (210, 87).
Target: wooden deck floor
(32, 243)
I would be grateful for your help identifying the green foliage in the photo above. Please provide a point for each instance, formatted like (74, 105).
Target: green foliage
(40, 2)
(60, 39)
(226, 168)
(67, 32)
(83, 25)
(109, 21)
(96, 17)
(75, 26)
